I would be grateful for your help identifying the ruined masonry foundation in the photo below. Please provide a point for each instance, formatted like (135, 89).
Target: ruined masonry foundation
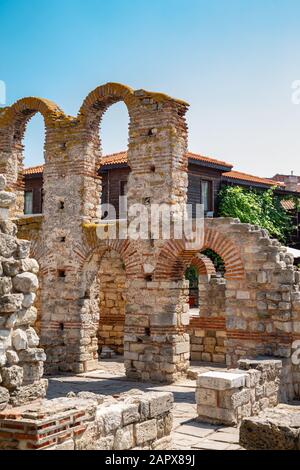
(134, 420)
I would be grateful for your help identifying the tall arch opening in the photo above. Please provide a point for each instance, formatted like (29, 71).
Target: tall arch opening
(207, 319)
(112, 302)
(33, 161)
(114, 169)
(104, 301)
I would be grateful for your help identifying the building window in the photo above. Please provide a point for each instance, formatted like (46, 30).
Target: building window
(206, 195)
(123, 188)
(28, 202)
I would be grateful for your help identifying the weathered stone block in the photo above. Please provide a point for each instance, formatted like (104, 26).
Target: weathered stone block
(212, 414)
(205, 396)
(124, 438)
(160, 403)
(145, 432)
(221, 380)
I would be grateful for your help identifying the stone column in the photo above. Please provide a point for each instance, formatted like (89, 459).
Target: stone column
(156, 347)
(21, 361)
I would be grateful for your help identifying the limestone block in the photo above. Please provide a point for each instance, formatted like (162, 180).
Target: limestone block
(11, 267)
(32, 338)
(8, 245)
(2, 356)
(30, 265)
(124, 438)
(32, 372)
(5, 339)
(12, 377)
(242, 295)
(221, 380)
(182, 347)
(12, 357)
(212, 414)
(232, 399)
(274, 429)
(28, 300)
(10, 303)
(2, 182)
(7, 199)
(5, 285)
(26, 317)
(23, 250)
(165, 443)
(205, 396)
(130, 414)
(206, 357)
(160, 403)
(110, 417)
(146, 431)
(163, 319)
(4, 398)
(25, 282)
(32, 355)
(19, 340)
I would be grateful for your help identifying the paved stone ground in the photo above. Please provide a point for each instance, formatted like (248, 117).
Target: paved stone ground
(110, 379)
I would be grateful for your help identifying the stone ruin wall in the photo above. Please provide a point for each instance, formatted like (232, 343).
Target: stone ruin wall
(21, 359)
(134, 420)
(228, 397)
(262, 298)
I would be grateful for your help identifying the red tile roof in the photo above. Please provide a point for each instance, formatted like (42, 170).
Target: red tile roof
(202, 158)
(237, 175)
(34, 170)
(114, 158)
(121, 157)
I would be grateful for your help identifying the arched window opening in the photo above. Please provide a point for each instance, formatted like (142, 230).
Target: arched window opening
(114, 168)
(33, 160)
(192, 275)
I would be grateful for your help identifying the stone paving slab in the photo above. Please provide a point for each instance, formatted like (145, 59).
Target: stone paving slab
(196, 429)
(225, 437)
(206, 444)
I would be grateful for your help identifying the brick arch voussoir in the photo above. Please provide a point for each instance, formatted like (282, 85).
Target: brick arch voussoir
(174, 258)
(203, 264)
(105, 95)
(228, 251)
(125, 248)
(22, 110)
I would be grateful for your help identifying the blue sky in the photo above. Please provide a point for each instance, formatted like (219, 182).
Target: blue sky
(233, 60)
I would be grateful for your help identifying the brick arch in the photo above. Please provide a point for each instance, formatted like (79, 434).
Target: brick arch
(203, 264)
(100, 99)
(174, 258)
(13, 122)
(19, 113)
(125, 248)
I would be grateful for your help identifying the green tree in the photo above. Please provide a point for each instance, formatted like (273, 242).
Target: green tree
(262, 208)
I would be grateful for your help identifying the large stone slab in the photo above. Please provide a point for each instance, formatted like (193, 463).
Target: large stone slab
(221, 380)
(274, 429)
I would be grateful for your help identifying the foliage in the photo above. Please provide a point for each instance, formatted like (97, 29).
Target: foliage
(191, 275)
(216, 259)
(262, 208)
